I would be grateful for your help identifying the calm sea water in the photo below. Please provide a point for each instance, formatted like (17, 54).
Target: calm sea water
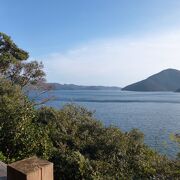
(156, 114)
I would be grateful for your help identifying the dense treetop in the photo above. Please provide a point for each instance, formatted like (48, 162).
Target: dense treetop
(14, 64)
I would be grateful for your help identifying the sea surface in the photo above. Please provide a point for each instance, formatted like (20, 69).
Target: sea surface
(156, 114)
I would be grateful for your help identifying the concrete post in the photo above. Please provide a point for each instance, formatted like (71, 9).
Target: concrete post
(30, 169)
(3, 171)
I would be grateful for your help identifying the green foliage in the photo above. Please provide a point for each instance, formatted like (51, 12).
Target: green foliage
(79, 146)
(14, 66)
(2, 157)
(19, 136)
(176, 138)
(85, 149)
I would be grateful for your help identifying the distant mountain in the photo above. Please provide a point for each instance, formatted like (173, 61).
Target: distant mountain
(167, 80)
(177, 90)
(57, 86)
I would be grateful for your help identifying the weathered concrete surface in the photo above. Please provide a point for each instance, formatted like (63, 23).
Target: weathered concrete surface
(3, 171)
(30, 169)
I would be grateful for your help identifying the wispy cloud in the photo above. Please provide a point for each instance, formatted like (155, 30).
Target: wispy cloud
(115, 61)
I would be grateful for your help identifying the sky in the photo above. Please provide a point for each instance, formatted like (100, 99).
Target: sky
(96, 42)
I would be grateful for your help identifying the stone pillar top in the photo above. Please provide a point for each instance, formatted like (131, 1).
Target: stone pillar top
(29, 165)
(30, 169)
(3, 171)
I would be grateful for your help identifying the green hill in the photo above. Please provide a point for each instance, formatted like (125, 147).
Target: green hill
(57, 86)
(166, 80)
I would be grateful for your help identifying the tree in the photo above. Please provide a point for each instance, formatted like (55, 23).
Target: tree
(176, 138)
(20, 136)
(14, 64)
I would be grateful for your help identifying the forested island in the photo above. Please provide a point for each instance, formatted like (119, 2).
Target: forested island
(166, 80)
(80, 146)
(57, 86)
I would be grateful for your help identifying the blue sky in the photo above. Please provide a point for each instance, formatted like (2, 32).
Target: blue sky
(100, 42)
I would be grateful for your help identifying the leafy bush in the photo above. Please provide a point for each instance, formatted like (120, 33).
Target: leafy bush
(85, 149)
(79, 146)
(19, 135)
